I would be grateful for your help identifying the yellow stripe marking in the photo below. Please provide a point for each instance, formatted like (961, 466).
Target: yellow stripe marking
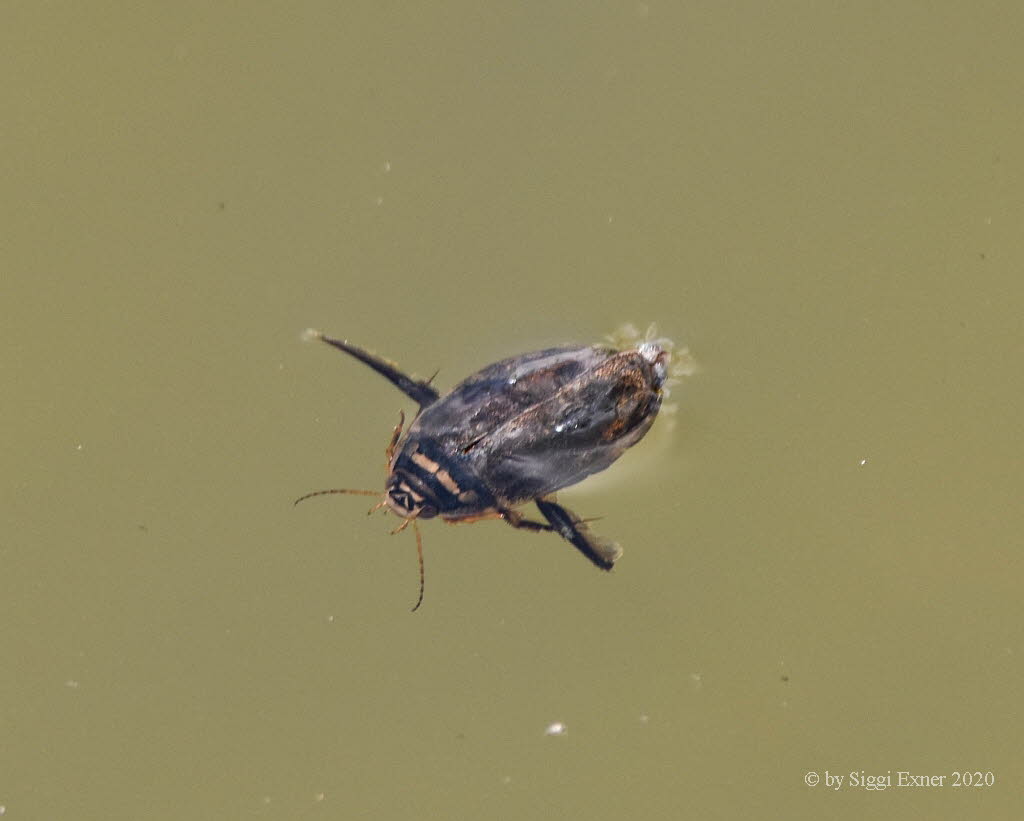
(428, 464)
(449, 484)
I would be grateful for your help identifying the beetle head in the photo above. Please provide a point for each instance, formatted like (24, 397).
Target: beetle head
(409, 497)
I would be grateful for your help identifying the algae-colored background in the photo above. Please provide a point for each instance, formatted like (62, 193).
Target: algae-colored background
(823, 558)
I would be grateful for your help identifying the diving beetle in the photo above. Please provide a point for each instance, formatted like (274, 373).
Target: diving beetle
(515, 432)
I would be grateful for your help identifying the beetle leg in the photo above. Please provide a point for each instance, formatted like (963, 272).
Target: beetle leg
(516, 519)
(390, 452)
(602, 552)
(405, 524)
(382, 503)
(417, 390)
(475, 517)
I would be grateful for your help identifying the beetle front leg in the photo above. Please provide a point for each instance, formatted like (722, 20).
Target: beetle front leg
(395, 435)
(602, 552)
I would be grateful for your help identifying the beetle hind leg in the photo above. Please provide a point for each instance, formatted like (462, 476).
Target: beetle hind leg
(602, 552)
(517, 521)
(418, 390)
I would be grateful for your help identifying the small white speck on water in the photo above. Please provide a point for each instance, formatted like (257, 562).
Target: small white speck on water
(556, 728)
(387, 166)
(71, 684)
(863, 462)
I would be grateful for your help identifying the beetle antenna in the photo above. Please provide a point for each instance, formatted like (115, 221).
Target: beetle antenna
(411, 520)
(419, 552)
(337, 490)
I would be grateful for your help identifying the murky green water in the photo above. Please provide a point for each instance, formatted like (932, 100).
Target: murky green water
(822, 567)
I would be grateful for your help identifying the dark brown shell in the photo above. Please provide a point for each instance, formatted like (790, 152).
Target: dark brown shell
(532, 424)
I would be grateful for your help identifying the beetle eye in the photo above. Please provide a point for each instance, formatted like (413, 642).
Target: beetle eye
(402, 499)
